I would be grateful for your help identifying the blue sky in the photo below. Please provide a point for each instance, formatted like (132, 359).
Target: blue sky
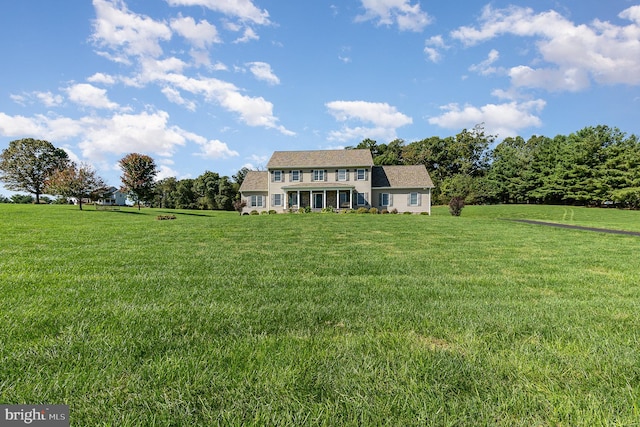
(220, 84)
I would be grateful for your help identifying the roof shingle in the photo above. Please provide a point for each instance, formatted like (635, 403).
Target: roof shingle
(255, 181)
(410, 176)
(320, 159)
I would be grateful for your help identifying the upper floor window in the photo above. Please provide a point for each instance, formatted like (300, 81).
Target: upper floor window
(342, 175)
(361, 174)
(295, 176)
(278, 176)
(318, 175)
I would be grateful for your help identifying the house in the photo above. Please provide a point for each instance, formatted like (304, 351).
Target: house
(112, 197)
(342, 179)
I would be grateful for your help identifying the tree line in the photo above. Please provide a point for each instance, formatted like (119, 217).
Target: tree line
(596, 165)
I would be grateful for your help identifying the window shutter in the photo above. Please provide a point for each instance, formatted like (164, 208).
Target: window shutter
(347, 174)
(409, 199)
(366, 198)
(326, 172)
(272, 176)
(366, 175)
(300, 175)
(390, 199)
(419, 199)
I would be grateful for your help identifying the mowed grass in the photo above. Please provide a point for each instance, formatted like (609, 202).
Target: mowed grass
(321, 319)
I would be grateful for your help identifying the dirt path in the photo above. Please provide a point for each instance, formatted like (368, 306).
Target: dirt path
(577, 227)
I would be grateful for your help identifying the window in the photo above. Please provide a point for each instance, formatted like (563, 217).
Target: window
(361, 199)
(342, 174)
(293, 199)
(414, 199)
(256, 202)
(277, 200)
(318, 175)
(361, 175)
(295, 176)
(385, 199)
(278, 176)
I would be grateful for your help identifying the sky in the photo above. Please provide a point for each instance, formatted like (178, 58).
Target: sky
(217, 85)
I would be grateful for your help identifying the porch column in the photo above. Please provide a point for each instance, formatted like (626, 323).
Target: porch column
(299, 204)
(338, 199)
(324, 198)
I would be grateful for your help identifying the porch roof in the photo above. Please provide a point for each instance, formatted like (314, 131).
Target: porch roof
(318, 186)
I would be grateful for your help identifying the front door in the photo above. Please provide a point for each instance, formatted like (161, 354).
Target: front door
(317, 200)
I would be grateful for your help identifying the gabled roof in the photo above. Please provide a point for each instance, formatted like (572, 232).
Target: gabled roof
(410, 176)
(255, 181)
(320, 159)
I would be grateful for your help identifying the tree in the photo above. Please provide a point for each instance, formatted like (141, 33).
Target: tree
(165, 193)
(138, 174)
(239, 177)
(186, 197)
(28, 163)
(75, 181)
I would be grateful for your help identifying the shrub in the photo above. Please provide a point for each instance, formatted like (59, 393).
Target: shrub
(362, 210)
(238, 205)
(264, 213)
(301, 210)
(373, 210)
(424, 213)
(328, 209)
(165, 217)
(455, 205)
(393, 211)
(254, 212)
(307, 209)
(384, 211)
(407, 213)
(272, 212)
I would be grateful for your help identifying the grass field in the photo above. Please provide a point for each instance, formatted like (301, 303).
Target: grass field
(321, 319)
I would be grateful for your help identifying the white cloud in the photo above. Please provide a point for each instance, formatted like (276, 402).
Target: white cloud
(499, 119)
(248, 35)
(215, 149)
(174, 96)
(384, 118)
(432, 48)
(244, 10)
(575, 54)
(200, 35)
(406, 16)
(102, 78)
(48, 99)
(128, 34)
(378, 113)
(486, 67)
(50, 128)
(88, 95)
(147, 132)
(262, 71)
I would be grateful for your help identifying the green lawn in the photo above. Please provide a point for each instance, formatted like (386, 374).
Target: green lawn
(321, 319)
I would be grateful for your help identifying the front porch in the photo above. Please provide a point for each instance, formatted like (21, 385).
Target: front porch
(318, 198)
